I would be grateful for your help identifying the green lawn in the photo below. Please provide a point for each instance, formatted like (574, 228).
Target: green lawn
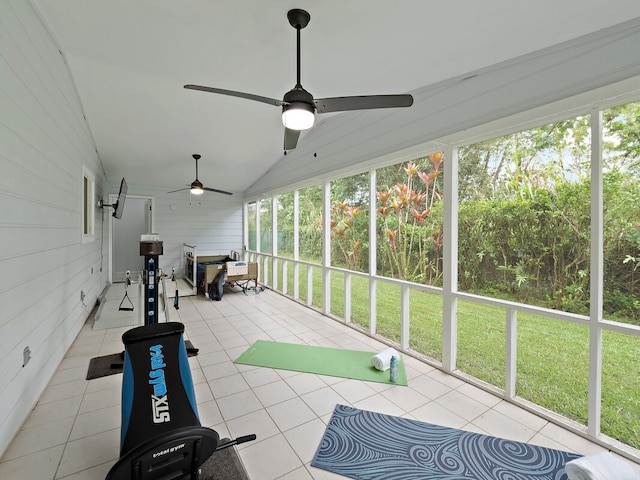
(552, 365)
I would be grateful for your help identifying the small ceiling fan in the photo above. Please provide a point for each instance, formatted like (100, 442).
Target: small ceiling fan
(196, 186)
(299, 106)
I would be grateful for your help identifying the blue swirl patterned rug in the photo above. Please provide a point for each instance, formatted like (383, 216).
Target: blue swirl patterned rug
(372, 446)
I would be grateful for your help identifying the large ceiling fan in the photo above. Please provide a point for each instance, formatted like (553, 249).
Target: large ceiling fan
(299, 106)
(196, 186)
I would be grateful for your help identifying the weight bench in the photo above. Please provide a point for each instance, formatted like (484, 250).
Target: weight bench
(161, 436)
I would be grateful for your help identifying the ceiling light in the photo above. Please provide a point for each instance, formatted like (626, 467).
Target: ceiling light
(197, 188)
(298, 116)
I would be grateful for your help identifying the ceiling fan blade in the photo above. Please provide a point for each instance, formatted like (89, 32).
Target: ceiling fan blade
(299, 101)
(291, 138)
(179, 190)
(341, 104)
(217, 191)
(232, 93)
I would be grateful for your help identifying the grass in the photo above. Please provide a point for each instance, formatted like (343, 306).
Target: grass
(552, 356)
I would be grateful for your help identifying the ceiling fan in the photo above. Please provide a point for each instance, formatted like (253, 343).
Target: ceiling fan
(196, 186)
(299, 106)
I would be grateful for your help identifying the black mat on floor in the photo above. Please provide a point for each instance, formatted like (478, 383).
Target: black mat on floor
(224, 465)
(114, 363)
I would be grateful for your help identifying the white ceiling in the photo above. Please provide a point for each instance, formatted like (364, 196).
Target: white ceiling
(130, 60)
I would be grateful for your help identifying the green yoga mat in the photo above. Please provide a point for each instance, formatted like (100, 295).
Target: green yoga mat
(334, 362)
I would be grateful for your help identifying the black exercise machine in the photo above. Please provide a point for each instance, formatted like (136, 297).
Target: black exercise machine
(176, 298)
(161, 436)
(151, 249)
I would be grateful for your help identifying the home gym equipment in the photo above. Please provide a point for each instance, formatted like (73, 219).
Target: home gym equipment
(126, 305)
(151, 248)
(176, 298)
(161, 435)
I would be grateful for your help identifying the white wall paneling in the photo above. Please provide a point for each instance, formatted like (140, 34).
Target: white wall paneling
(44, 145)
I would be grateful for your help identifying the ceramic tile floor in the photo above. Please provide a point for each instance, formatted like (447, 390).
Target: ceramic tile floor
(73, 432)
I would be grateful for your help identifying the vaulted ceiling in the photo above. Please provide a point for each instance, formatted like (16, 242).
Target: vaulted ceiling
(130, 59)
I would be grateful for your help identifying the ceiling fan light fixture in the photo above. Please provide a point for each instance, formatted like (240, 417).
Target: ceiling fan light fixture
(197, 188)
(298, 105)
(298, 116)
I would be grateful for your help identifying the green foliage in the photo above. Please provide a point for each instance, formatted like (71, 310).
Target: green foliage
(524, 216)
(251, 213)
(525, 161)
(350, 223)
(409, 236)
(310, 223)
(285, 224)
(532, 249)
(622, 245)
(622, 135)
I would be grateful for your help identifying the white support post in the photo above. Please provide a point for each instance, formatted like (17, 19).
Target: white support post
(450, 261)
(404, 316)
(597, 276)
(373, 212)
(296, 245)
(347, 297)
(326, 247)
(274, 242)
(261, 271)
(326, 290)
(309, 284)
(258, 249)
(296, 281)
(285, 276)
(265, 268)
(373, 313)
(245, 230)
(512, 352)
(373, 259)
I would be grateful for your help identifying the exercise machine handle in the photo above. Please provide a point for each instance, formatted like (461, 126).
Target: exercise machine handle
(237, 441)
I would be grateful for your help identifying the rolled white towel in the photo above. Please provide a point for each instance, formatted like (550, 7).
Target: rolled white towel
(382, 361)
(601, 466)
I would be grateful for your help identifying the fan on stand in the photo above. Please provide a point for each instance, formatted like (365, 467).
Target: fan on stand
(196, 186)
(298, 105)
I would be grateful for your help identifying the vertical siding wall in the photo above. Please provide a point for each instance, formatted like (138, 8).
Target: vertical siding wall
(44, 144)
